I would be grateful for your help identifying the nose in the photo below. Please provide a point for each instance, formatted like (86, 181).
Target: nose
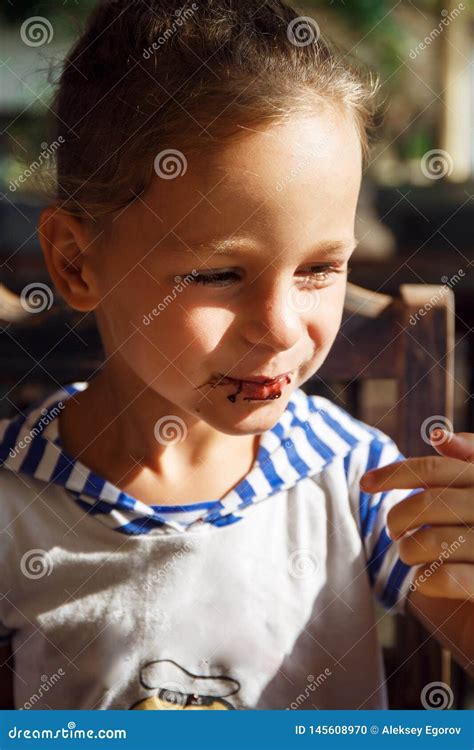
(272, 317)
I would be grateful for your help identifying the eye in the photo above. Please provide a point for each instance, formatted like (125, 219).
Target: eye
(217, 278)
(318, 274)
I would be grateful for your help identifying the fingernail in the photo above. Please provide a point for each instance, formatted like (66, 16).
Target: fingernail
(367, 481)
(440, 435)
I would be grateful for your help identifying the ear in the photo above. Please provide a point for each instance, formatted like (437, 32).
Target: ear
(65, 240)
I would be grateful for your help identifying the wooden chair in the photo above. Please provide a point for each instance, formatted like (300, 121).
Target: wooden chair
(43, 350)
(408, 339)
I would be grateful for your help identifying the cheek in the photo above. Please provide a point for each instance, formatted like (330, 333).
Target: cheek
(183, 333)
(182, 342)
(131, 297)
(202, 330)
(324, 322)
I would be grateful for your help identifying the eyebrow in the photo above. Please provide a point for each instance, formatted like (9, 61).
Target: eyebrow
(333, 248)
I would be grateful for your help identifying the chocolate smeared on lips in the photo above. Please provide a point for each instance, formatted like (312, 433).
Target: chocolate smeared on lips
(263, 389)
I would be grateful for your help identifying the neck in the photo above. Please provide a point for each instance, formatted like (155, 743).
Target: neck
(135, 429)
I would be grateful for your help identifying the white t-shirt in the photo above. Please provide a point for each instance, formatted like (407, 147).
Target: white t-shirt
(263, 599)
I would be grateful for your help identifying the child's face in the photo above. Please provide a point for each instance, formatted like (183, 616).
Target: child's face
(275, 195)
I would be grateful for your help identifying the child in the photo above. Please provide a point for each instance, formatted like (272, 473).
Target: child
(187, 529)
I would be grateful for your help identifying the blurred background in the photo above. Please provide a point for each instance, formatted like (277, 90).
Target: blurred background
(416, 209)
(414, 221)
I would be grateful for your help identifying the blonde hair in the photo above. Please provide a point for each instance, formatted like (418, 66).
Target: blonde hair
(145, 77)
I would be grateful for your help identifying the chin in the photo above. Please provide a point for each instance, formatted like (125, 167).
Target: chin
(250, 417)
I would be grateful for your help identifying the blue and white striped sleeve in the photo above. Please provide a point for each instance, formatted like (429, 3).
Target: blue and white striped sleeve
(7, 565)
(389, 576)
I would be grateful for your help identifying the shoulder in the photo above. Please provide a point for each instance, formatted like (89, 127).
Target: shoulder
(17, 492)
(334, 426)
(22, 454)
(324, 442)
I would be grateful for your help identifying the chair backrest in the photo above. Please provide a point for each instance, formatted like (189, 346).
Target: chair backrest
(408, 339)
(42, 347)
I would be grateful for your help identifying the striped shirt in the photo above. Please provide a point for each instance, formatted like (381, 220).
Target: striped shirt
(240, 599)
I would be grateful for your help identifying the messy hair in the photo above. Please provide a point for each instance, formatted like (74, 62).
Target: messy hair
(147, 76)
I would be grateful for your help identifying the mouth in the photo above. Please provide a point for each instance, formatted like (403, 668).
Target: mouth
(255, 388)
(262, 379)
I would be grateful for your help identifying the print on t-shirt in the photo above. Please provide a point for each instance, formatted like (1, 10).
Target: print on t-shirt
(176, 688)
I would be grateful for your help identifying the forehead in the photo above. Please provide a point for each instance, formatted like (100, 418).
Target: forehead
(245, 246)
(299, 176)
